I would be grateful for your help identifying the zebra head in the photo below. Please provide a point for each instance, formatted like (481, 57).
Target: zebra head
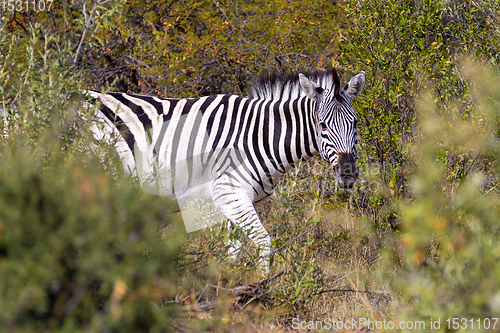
(337, 134)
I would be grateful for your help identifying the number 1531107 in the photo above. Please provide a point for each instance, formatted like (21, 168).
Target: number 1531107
(21, 5)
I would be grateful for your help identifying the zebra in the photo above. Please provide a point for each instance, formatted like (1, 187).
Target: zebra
(233, 150)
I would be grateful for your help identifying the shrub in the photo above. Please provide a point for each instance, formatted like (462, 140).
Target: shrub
(79, 249)
(448, 250)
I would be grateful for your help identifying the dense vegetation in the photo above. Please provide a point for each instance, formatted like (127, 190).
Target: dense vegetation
(83, 249)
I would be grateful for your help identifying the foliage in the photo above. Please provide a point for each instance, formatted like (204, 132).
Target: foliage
(82, 251)
(449, 251)
(406, 47)
(78, 250)
(193, 48)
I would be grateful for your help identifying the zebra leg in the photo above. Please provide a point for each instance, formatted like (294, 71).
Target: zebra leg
(234, 243)
(241, 213)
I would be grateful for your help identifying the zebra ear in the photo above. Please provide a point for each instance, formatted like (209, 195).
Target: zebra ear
(311, 89)
(356, 84)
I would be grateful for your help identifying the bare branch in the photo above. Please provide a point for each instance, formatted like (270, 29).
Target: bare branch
(378, 292)
(88, 24)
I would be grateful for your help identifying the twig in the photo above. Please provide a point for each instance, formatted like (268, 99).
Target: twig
(138, 61)
(252, 290)
(238, 291)
(223, 13)
(299, 55)
(85, 31)
(20, 24)
(201, 294)
(203, 306)
(272, 277)
(234, 290)
(379, 292)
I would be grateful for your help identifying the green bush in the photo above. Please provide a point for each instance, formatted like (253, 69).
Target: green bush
(406, 47)
(448, 250)
(80, 250)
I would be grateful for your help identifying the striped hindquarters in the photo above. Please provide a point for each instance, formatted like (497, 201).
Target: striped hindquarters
(176, 146)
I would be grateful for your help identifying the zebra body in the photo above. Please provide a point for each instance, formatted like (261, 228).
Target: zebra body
(231, 149)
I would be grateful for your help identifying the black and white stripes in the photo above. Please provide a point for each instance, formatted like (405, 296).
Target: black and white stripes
(231, 149)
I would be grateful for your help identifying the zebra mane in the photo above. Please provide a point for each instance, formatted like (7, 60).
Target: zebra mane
(286, 86)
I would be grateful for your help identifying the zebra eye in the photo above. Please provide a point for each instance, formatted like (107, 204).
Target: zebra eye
(323, 126)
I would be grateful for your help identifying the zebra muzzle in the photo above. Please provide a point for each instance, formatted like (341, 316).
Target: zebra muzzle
(346, 170)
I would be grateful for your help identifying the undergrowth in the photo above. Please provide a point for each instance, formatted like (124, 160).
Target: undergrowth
(82, 249)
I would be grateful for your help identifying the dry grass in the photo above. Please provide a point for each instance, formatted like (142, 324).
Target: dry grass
(326, 248)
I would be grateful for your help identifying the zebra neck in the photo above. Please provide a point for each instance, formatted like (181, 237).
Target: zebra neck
(293, 132)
